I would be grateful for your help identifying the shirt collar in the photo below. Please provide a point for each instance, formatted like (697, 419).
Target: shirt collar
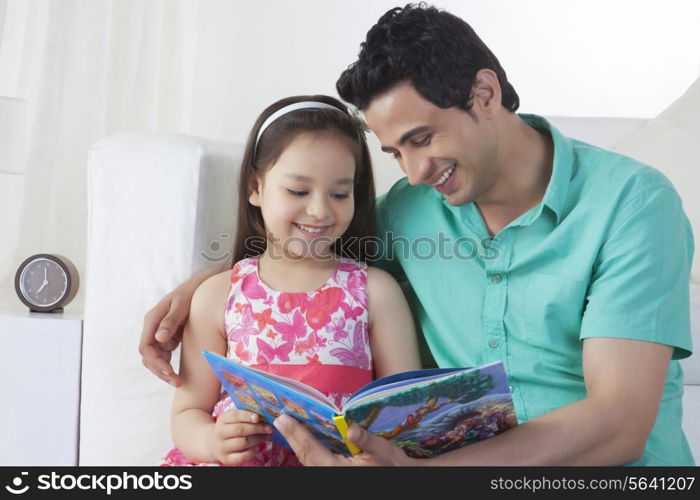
(555, 195)
(558, 187)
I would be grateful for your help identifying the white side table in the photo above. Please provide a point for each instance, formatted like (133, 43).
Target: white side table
(39, 387)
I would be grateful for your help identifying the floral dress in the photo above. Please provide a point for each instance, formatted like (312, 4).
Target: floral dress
(320, 338)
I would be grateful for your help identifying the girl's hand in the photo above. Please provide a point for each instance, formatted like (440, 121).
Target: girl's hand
(235, 436)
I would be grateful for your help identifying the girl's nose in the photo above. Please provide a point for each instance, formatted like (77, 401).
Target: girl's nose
(318, 207)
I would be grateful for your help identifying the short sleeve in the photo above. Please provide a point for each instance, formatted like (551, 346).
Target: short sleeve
(640, 284)
(386, 258)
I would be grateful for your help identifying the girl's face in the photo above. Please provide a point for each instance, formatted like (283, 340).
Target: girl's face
(306, 197)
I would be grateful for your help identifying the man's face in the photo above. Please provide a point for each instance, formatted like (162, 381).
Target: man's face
(447, 149)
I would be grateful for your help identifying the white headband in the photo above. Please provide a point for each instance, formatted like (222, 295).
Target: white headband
(288, 109)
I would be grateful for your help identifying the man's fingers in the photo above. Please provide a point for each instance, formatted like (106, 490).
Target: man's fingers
(153, 360)
(152, 319)
(363, 439)
(375, 450)
(308, 450)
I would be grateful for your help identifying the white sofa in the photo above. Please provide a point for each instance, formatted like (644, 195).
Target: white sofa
(161, 207)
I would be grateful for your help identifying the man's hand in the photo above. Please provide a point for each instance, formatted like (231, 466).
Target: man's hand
(375, 450)
(162, 333)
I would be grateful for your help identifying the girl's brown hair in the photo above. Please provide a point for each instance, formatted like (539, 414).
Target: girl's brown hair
(356, 242)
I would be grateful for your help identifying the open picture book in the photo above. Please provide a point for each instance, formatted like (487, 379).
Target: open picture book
(425, 412)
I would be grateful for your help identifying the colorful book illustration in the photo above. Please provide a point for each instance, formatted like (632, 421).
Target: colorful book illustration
(425, 412)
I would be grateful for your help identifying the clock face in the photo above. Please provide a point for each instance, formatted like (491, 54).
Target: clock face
(43, 282)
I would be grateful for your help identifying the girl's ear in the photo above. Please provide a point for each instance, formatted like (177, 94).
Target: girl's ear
(254, 190)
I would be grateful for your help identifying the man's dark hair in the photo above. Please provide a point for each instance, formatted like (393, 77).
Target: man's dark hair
(437, 52)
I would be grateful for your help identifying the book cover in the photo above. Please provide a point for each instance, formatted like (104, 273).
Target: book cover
(425, 412)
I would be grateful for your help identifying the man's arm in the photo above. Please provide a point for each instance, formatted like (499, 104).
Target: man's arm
(163, 326)
(624, 380)
(639, 290)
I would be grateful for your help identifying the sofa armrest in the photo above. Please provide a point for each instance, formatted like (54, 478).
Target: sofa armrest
(158, 204)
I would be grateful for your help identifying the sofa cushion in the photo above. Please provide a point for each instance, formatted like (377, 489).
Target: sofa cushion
(671, 143)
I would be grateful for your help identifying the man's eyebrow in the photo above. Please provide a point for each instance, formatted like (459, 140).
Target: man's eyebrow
(414, 131)
(304, 178)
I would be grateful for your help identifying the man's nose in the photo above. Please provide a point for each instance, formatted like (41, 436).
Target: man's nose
(418, 169)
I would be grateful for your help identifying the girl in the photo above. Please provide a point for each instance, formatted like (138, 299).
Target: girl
(297, 302)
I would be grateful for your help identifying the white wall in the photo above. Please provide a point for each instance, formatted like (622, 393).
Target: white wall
(565, 57)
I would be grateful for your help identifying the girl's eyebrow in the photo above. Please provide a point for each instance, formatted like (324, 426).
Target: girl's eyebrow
(304, 178)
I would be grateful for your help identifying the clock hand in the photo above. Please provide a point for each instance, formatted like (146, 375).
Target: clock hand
(43, 285)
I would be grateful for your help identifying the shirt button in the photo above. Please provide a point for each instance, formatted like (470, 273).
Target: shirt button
(510, 388)
(493, 343)
(496, 278)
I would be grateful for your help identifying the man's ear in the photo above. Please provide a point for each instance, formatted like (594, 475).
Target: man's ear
(254, 190)
(486, 91)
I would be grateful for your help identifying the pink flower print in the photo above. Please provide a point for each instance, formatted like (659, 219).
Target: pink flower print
(241, 332)
(287, 302)
(264, 318)
(356, 287)
(235, 277)
(231, 301)
(309, 345)
(357, 355)
(348, 267)
(251, 288)
(292, 331)
(268, 353)
(337, 328)
(242, 353)
(323, 304)
(351, 312)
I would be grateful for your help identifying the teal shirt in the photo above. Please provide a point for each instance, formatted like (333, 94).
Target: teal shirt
(607, 253)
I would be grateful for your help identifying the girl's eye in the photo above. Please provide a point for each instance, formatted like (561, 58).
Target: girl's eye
(296, 193)
(341, 196)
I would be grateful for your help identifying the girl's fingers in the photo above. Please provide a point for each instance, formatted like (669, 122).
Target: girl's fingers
(242, 444)
(239, 458)
(228, 431)
(234, 415)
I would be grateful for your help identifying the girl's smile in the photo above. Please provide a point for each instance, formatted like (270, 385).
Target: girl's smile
(308, 193)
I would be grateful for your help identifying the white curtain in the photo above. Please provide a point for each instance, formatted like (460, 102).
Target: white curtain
(94, 68)
(88, 69)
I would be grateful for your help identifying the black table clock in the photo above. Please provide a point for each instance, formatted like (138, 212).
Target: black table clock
(46, 282)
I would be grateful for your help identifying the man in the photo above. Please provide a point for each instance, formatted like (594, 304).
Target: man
(581, 284)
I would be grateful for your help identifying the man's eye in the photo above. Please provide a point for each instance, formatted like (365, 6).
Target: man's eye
(423, 141)
(296, 193)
